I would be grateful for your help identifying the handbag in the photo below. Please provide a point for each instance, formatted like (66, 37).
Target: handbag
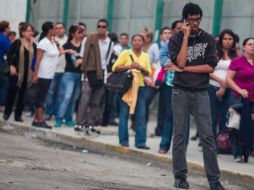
(224, 143)
(4, 68)
(233, 119)
(120, 81)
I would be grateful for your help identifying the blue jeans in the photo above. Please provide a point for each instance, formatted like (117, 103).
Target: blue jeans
(149, 96)
(52, 101)
(110, 110)
(140, 120)
(167, 120)
(4, 84)
(219, 110)
(70, 91)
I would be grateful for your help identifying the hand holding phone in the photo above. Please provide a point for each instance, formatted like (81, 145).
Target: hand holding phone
(186, 28)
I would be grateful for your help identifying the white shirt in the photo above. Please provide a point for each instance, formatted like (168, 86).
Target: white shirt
(220, 71)
(49, 58)
(154, 53)
(60, 66)
(103, 45)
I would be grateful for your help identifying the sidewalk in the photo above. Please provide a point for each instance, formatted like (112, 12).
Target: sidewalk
(109, 140)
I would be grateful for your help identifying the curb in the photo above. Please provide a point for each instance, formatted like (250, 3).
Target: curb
(88, 143)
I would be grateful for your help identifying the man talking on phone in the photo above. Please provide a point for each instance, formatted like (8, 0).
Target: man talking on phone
(193, 52)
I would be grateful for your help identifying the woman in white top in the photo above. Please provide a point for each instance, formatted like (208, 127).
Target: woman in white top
(46, 61)
(219, 93)
(154, 54)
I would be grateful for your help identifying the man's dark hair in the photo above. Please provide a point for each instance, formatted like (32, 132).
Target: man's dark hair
(191, 9)
(135, 35)
(11, 33)
(103, 20)
(173, 26)
(82, 24)
(3, 25)
(124, 34)
(164, 28)
(60, 24)
(113, 37)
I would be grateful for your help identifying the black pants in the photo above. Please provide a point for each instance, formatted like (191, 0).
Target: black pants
(13, 91)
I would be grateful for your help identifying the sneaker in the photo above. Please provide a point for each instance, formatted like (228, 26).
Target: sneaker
(70, 123)
(58, 123)
(181, 183)
(113, 123)
(216, 186)
(79, 128)
(162, 151)
(18, 119)
(93, 130)
(41, 125)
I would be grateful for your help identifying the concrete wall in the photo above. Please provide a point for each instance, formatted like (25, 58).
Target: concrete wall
(239, 16)
(131, 15)
(13, 11)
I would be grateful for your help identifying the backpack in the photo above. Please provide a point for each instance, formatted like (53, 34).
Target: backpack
(224, 143)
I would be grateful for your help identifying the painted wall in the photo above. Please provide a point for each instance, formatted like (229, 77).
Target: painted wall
(13, 14)
(130, 15)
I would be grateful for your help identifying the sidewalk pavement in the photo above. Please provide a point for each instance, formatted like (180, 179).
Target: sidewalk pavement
(108, 141)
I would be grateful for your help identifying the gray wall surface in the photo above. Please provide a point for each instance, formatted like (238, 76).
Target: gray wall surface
(132, 15)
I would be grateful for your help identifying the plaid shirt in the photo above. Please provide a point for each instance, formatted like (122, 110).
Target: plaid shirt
(164, 58)
(169, 78)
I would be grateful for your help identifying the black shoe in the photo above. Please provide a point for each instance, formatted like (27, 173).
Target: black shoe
(143, 147)
(181, 183)
(79, 128)
(193, 138)
(18, 119)
(245, 158)
(216, 186)
(41, 125)
(113, 122)
(6, 117)
(93, 130)
(125, 145)
(104, 124)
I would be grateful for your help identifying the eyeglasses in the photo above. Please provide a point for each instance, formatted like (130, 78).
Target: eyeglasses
(101, 26)
(192, 20)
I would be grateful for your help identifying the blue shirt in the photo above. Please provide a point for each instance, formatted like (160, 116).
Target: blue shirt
(164, 58)
(5, 45)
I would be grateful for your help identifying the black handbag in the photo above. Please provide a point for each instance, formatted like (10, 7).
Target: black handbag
(119, 82)
(4, 68)
(93, 80)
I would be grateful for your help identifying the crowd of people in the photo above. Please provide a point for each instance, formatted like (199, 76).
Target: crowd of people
(63, 74)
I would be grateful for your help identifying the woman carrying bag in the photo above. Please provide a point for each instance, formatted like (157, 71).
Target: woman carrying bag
(140, 67)
(240, 78)
(20, 61)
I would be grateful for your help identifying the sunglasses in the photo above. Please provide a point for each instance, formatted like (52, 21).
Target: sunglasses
(100, 26)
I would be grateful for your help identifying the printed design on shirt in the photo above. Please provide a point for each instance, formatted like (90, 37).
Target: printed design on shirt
(196, 51)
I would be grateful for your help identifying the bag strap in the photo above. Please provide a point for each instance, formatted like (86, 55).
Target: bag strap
(131, 58)
(110, 43)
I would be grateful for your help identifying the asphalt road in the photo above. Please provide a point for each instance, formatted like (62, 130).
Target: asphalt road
(30, 164)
